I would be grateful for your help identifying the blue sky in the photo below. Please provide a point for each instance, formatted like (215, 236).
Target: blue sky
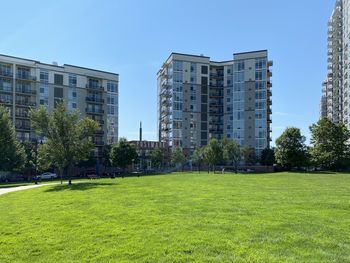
(133, 38)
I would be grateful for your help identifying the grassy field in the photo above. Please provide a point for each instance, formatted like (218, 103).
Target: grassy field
(282, 217)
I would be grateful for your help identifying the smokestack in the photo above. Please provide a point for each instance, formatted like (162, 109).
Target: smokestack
(140, 131)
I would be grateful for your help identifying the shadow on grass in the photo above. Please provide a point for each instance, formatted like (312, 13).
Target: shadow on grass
(77, 186)
(314, 172)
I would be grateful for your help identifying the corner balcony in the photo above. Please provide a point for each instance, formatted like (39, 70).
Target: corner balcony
(25, 103)
(94, 87)
(94, 111)
(95, 100)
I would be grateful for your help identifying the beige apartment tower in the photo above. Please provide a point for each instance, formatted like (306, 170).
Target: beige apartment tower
(26, 83)
(200, 99)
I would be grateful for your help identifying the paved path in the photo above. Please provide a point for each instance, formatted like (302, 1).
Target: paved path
(18, 188)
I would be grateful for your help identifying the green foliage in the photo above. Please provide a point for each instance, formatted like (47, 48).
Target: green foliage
(290, 149)
(157, 158)
(250, 157)
(214, 153)
(178, 157)
(232, 153)
(198, 157)
(267, 157)
(68, 137)
(279, 217)
(12, 154)
(330, 145)
(123, 153)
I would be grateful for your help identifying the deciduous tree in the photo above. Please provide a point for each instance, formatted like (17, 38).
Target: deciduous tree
(68, 137)
(233, 153)
(123, 153)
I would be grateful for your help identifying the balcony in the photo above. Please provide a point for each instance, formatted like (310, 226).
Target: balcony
(26, 91)
(270, 63)
(216, 94)
(22, 115)
(98, 142)
(269, 93)
(99, 133)
(269, 102)
(217, 74)
(94, 87)
(95, 100)
(25, 76)
(6, 74)
(269, 111)
(269, 84)
(22, 127)
(25, 103)
(269, 73)
(94, 111)
(6, 89)
(5, 101)
(269, 120)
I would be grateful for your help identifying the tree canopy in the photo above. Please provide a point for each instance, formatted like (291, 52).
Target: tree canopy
(178, 157)
(12, 154)
(233, 153)
(214, 152)
(291, 149)
(123, 153)
(330, 149)
(68, 138)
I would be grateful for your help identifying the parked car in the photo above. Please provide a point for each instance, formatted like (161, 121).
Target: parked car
(46, 175)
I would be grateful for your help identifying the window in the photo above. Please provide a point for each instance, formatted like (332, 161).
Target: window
(58, 92)
(204, 69)
(74, 105)
(44, 76)
(58, 79)
(239, 66)
(177, 65)
(72, 80)
(74, 94)
(112, 86)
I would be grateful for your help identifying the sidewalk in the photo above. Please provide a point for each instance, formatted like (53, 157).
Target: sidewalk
(18, 188)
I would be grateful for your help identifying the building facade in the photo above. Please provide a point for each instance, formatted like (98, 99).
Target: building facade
(200, 99)
(28, 83)
(336, 86)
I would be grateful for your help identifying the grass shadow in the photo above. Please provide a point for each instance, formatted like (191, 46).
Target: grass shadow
(11, 185)
(77, 186)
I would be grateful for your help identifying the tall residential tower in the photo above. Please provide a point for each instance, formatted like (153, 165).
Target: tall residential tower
(200, 99)
(336, 86)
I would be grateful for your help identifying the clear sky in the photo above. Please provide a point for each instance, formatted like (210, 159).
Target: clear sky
(133, 38)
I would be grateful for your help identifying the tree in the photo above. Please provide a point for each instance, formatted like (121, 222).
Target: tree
(68, 137)
(157, 158)
(330, 148)
(214, 153)
(12, 154)
(198, 157)
(290, 149)
(267, 157)
(233, 153)
(178, 157)
(123, 153)
(249, 156)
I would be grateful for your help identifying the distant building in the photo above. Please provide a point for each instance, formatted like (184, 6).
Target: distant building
(200, 99)
(144, 150)
(26, 83)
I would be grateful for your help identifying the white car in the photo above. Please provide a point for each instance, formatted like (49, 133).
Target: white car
(47, 175)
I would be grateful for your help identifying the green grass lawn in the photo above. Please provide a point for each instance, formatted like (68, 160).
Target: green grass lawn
(282, 217)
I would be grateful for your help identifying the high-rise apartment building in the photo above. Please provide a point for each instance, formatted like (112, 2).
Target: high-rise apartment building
(336, 87)
(28, 83)
(200, 99)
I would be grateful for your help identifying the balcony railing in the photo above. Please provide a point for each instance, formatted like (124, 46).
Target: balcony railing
(95, 111)
(22, 127)
(25, 76)
(94, 87)
(6, 73)
(22, 115)
(94, 99)
(4, 101)
(25, 103)
(5, 89)
(25, 91)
